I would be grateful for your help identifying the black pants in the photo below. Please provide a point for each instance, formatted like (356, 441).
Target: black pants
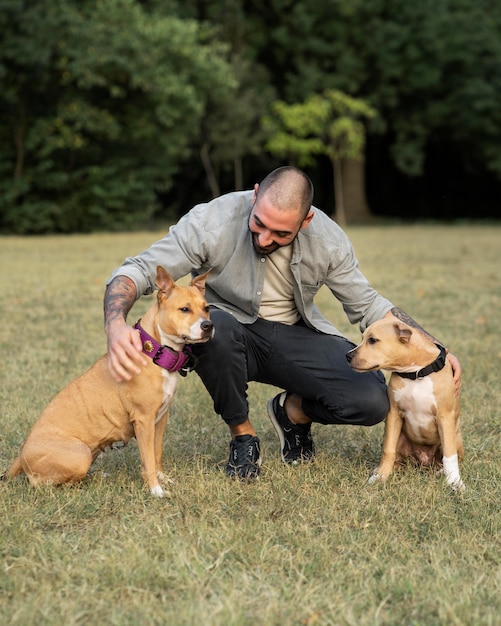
(294, 358)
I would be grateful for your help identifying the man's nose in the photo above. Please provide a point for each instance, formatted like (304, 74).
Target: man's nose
(265, 238)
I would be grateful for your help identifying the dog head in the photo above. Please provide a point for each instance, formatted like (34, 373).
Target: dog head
(183, 312)
(391, 345)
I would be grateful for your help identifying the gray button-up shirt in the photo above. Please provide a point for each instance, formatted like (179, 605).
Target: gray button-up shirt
(215, 235)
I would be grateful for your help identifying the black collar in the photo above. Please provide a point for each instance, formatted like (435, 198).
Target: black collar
(436, 366)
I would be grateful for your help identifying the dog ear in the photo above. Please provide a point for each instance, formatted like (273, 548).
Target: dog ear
(404, 332)
(164, 281)
(199, 282)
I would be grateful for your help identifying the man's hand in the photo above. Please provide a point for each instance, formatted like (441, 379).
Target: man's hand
(456, 370)
(125, 351)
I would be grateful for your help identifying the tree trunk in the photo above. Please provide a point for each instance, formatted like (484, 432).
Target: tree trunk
(19, 137)
(209, 170)
(337, 168)
(356, 206)
(239, 174)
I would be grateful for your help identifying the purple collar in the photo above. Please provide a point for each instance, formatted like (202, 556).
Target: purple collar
(166, 357)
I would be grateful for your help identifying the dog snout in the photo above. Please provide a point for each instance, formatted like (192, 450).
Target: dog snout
(207, 329)
(206, 326)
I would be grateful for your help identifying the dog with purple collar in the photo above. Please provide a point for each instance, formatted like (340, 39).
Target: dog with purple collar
(95, 410)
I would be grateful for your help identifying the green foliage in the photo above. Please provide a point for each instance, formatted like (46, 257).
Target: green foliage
(332, 124)
(103, 99)
(231, 129)
(141, 89)
(329, 123)
(432, 69)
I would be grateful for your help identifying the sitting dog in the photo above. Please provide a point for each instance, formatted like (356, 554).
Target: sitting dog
(423, 422)
(94, 411)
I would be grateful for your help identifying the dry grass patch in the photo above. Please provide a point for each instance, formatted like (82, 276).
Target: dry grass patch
(311, 545)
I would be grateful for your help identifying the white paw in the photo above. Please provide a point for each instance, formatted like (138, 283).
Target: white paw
(451, 471)
(159, 492)
(374, 478)
(457, 485)
(99, 474)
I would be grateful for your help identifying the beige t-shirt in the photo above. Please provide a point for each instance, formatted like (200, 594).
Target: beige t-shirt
(277, 302)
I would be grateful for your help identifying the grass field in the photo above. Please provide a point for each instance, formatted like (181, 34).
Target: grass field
(303, 546)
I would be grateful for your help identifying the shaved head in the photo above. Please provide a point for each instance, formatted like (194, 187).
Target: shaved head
(288, 189)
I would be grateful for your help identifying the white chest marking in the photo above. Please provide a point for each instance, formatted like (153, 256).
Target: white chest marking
(169, 386)
(416, 400)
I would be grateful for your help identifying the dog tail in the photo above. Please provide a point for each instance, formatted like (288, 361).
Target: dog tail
(15, 469)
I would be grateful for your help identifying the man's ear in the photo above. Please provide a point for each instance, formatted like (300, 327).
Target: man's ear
(306, 222)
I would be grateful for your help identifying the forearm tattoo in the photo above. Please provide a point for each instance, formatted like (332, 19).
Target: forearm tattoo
(119, 297)
(403, 317)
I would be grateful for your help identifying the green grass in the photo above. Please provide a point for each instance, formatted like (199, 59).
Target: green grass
(311, 545)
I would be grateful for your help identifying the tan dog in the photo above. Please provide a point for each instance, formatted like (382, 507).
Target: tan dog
(95, 411)
(423, 422)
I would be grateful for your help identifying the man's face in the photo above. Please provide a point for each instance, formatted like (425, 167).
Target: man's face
(272, 228)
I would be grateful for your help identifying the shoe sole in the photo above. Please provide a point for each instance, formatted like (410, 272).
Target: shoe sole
(278, 429)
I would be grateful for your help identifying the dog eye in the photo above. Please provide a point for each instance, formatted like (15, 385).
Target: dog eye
(372, 340)
(185, 309)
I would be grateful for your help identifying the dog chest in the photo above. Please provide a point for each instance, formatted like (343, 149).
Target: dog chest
(417, 404)
(169, 385)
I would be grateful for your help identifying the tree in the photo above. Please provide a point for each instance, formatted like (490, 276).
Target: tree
(432, 69)
(103, 99)
(330, 124)
(230, 130)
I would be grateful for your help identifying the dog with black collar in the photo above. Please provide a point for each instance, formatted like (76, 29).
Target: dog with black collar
(422, 425)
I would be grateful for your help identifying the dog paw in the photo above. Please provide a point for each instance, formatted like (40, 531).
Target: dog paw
(98, 475)
(159, 492)
(165, 478)
(374, 478)
(458, 485)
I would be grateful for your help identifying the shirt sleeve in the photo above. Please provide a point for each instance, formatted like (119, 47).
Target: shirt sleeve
(362, 304)
(179, 252)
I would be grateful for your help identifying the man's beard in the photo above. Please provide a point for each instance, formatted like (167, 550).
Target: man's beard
(263, 251)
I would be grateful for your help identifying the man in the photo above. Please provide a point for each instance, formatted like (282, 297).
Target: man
(269, 251)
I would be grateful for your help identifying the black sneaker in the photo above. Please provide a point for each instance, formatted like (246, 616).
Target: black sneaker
(295, 439)
(245, 458)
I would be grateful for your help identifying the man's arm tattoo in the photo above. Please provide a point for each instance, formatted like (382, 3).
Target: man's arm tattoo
(403, 317)
(119, 297)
